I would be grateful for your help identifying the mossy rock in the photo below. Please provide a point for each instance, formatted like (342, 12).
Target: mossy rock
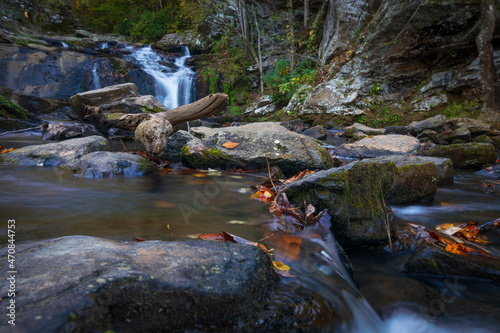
(418, 177)
(14, 116)
(470, 155)
(257, 146)
(354, 196)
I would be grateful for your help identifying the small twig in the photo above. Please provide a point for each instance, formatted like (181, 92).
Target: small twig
(269, 173)
(123, 145)
(21, 130)
(488, 226)
(386, 220)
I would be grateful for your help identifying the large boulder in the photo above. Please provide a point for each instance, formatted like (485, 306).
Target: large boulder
(470, 155)
(80, 283)
(381, 145)
(110, 164)
(257, 145)
(417, 179)
(98, 97)
(66, 153)
(354, 196)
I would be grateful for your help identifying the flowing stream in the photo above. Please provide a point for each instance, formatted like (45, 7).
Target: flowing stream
(48, 203)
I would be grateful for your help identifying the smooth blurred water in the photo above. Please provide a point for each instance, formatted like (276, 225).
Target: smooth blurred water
(174, 86)
(47, 203)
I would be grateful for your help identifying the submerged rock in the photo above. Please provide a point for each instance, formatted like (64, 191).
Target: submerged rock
(80, 283)
(490, 172)
(67, 153)
(465, 156)
(257, 144)
(108, 164)
(353, 195)
(417, 179)
(381, 145)
(316, 132)
(432, 259)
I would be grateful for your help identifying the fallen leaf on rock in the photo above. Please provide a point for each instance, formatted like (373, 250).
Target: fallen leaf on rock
(137, 239)
(458, 249)
(3, 150)
(214, 237)
(444, 226)
(230, 145)
(282, 269)
(298, 176)
(199, 175)
(164, 204)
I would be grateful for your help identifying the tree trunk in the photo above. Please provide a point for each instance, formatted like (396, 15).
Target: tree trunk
(489, 80)
(291, 37)
(306, 13)
(259, 64)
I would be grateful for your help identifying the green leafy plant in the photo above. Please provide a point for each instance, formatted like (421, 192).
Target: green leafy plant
(284, 83)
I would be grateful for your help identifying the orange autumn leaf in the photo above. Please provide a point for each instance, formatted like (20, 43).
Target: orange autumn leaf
(458, 249)
(199, 175)
(445, 226)
(281, 266)
(230, 145)
(7, 151)
(214, 237)
(282, 269)
(265, 196)
(164, 204)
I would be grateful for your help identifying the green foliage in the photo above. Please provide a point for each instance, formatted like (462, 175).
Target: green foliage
(284, 84)
(144, 20)
(465, 109)
(227, 64)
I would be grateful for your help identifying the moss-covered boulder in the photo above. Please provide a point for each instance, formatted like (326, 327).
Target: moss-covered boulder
(252, 146)
(354, 196)
(417, 179)
(14, 117)
(66, 153)
(470, 155)
(432, 259)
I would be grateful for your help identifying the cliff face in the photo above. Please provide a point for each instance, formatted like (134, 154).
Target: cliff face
(420, 53)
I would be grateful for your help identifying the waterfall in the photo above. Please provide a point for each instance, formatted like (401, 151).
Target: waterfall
(174, 87)
(95, 77)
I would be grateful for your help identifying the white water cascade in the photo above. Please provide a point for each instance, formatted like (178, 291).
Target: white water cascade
(173, 87)
(95, 77)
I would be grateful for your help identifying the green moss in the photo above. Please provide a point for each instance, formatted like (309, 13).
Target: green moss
(11, 110)
(155, 109)
(145, 166)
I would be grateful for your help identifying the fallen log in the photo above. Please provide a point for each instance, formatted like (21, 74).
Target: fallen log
(202, 108)
(488, 226)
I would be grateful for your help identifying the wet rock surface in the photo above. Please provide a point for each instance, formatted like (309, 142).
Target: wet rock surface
(354, 196)
(432, 259)
(257, 144)
(382, 145)
(93, 284)
(67, 153)
(465, 156)
(108, 164)
(417, 179)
